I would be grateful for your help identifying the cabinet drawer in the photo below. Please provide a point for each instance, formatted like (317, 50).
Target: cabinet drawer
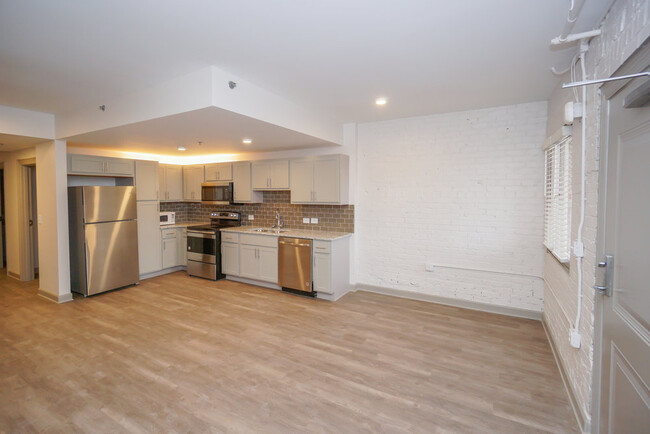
(258, 240)
(322, 246)
(227, 237)
(169, 233)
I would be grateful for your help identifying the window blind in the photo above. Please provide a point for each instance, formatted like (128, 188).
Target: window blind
(557, 201)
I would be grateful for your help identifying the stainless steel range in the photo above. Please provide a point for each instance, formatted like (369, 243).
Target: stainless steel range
(204, 245)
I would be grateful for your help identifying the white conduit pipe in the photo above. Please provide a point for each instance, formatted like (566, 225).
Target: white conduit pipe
(579, 250)
(572, 16)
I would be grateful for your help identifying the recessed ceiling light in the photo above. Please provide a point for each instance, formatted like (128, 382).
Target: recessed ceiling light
(182, 148)
(247, 141)
(381, 101)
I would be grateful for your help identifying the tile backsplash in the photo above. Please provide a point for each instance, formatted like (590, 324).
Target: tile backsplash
(330, 217)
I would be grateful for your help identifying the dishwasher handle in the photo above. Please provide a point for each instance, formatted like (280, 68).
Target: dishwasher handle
(294, 244)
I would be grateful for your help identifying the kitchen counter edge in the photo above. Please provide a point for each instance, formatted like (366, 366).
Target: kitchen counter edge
(294, 233)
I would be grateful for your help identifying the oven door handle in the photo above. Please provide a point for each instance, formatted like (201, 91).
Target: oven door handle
(201, 235)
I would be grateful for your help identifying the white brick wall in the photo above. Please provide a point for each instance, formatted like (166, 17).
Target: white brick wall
(459, 189)
(624, 29)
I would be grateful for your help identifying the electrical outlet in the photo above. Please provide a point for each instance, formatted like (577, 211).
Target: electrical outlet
(314, 220)
(251, 217)
(305, 220)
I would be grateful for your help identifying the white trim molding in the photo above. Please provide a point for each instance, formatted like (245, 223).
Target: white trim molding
(63, 298)
(466, 304)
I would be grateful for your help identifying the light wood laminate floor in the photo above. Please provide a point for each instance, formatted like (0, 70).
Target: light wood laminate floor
(181, 354)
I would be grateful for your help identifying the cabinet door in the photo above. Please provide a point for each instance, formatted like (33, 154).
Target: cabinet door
(279, 174)
(146, 180)
(192, 179)
(260, 175)
(169, 252)
(302, 175)
(241, 179)
(174, 182)
(268, 260)
(248, 262)
(118, 166)
(323, 273)
(162, 189)
(218, 172)
(326, 180)
(149, 237)
(85, 164)
(230, 259)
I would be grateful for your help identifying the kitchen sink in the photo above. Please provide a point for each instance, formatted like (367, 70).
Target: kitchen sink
(269, 231)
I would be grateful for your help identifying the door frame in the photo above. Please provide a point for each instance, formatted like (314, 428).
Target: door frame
(26, 242)
(638, 61)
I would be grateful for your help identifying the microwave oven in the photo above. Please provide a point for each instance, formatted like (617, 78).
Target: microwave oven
(217, 193)
(167, 218)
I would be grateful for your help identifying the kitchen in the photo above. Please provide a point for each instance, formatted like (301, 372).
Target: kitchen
(441, 186)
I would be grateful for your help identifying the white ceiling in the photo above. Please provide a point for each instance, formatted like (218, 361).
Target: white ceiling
(219, 131)
(12, 142)
(425, 56)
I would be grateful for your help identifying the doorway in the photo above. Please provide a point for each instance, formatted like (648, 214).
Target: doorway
(622, 350)
(3, 236)
(29, 232)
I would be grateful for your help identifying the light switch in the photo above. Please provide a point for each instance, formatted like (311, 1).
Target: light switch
(314, 220)
(305, 220)
(251, 217)
(40, 219)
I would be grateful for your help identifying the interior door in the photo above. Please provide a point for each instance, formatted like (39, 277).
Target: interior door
(625, 363)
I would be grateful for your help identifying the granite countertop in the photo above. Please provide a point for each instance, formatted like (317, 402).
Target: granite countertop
(183, 225)
(295, 233)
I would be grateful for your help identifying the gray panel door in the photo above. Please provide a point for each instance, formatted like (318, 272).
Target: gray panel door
(625, 373)
(106, 204)
(111, 255)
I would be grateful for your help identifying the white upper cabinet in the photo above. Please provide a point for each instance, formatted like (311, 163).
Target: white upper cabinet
(320, 179)
(242, 183)
(101, 166)
(271, 175)
(192, 179)
(146, 180)
(218, 172)
(171, 183)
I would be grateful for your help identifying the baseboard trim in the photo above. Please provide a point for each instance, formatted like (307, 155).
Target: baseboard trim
(13, 275)
(465, 304)
(163, 272)
(63, 298)
(253, 282)
(580, 419)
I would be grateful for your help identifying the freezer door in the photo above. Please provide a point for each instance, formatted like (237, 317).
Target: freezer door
(107, 204)
(111, 255)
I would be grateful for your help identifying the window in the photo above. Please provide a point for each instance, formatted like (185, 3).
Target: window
(557, 201)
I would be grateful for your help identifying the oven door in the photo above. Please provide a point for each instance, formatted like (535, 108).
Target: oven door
(218, 193)
(202, 247)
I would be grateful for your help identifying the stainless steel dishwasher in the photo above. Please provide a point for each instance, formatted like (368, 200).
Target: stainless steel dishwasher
(294, 265)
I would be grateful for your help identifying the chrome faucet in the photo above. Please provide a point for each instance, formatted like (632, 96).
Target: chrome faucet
(278, 220)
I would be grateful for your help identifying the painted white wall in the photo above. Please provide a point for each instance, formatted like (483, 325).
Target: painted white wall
(52, 202)
(189, 92)
(460, 189)
(253, 101)
(26, 123)
(624, 29)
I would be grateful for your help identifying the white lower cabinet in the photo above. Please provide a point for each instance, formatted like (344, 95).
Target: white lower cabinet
(250, 256)
(331, 268)
(230, 258)
(170, 239)
(149, 254)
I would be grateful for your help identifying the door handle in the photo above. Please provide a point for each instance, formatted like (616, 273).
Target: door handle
(604, 276)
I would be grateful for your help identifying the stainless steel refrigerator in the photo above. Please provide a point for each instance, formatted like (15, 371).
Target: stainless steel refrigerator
(103, 238)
